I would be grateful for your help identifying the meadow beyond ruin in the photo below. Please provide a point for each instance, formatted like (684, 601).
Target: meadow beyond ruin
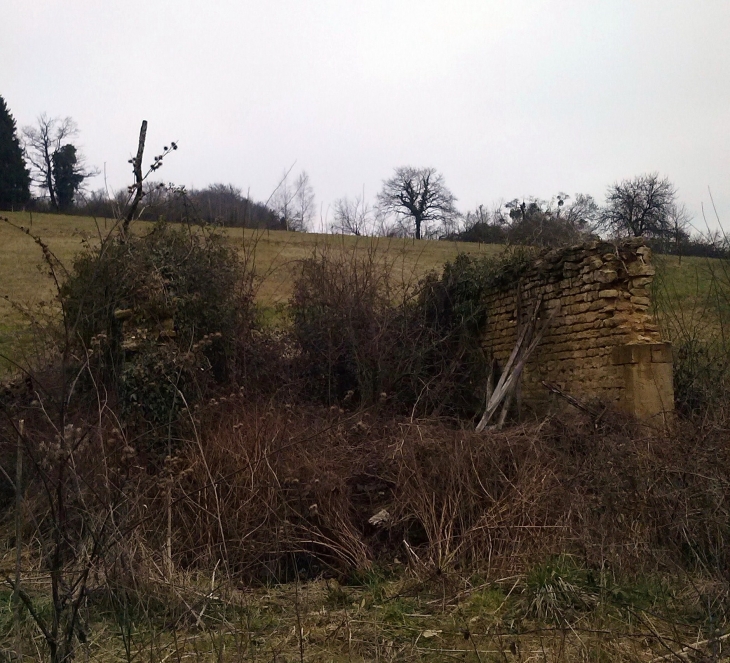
(277, 253)
(683, 284)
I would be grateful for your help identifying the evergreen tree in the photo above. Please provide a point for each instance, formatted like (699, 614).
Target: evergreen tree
(14, 176)
(57, 165)
(66, 177)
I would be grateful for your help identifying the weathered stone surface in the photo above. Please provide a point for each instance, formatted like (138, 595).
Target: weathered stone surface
(601, 343)
(640, 268)
(605, 275)
(642, 301)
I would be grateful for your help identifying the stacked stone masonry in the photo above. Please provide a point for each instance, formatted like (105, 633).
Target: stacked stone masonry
(601, 343)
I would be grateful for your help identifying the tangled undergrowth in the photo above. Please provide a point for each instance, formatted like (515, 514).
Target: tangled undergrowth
(196, 484)
(554, 535)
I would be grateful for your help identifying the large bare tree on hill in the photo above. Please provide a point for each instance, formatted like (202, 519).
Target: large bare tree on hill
(641, 206)
(418, 195)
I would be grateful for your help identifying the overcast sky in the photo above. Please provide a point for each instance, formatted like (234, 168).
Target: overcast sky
(506, 98)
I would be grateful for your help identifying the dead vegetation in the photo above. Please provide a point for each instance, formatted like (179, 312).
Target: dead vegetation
(258, 539)
(319, 491)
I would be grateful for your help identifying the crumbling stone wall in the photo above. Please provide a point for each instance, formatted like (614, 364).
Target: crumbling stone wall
(601, 342)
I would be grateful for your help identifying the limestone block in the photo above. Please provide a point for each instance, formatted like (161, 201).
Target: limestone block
(605, 275)
(642, 301)
(661, 353)
(639, 268)
(578, 308)
(647, 374)
(590, 277)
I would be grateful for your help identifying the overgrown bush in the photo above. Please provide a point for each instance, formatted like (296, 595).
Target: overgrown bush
(261, 491)
(701, 376)
(343, 311)
(160, 317)
(444, 369)
(270, 491)
(365, 336)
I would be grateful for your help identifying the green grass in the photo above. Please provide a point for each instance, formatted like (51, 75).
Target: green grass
(405, 618)
(691, 297)
(25, 282)
(683, 292)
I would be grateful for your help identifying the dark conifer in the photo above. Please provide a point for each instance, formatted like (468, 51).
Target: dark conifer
(14, 176)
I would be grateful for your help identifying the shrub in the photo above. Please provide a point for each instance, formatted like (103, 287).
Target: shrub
(160, 316)
(701, 372)
(364, 336)
(698, 325)
(344, 317)
(442, 365)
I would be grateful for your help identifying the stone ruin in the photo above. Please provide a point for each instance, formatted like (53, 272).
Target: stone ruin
(601, 344)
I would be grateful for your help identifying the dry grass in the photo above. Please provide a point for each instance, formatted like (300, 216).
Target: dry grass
(276, 254)
(549, 542)
(557, 540)
(691, 297)
(377, 619)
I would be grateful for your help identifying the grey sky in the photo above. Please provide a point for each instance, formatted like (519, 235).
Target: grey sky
(507, 98)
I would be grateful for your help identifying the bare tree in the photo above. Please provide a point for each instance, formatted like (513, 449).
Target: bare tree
(294, 204)
(352, 217)
(417, 195)
(640, 207)
(57, 165)
(680, 220)
(583, 213)
(303, 207)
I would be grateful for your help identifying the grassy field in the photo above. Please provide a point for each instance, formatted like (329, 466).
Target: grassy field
(553, 610)
(692, 297)
(25, 283)
(683, 293)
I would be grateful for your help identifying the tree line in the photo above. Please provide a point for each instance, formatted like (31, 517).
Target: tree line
(416, 202)
(413, 202)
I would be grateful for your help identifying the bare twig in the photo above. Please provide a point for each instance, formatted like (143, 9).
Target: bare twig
(18, 529)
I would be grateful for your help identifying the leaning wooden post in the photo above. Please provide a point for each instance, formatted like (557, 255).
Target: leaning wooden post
(138, 179)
